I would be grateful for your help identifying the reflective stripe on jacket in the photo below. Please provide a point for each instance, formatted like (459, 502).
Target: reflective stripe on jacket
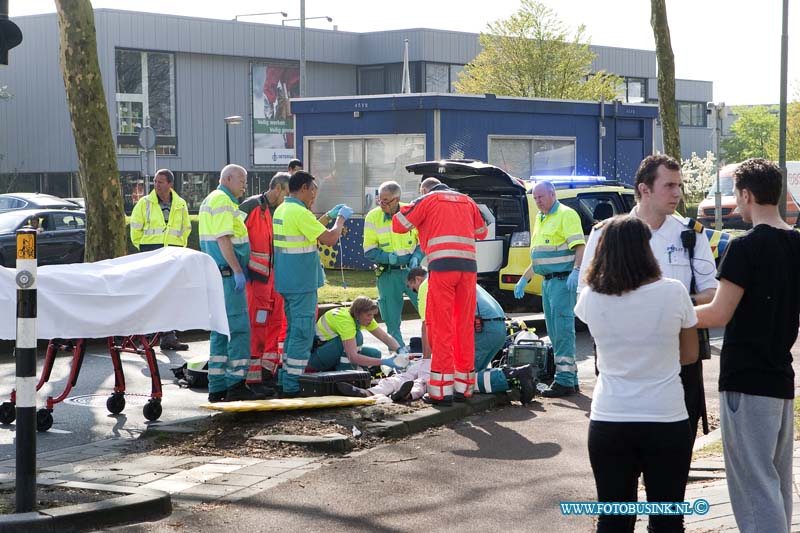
(220, 216)
(379, 239)
(297, 264)
(448, 223)
(555, 236)
(148, 226)
(259, 230)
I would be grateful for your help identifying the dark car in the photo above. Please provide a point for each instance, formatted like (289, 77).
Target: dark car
(61, 239)
(34, 200)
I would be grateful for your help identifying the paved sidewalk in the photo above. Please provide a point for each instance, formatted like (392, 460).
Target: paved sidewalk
(189, 479)
(714, 490)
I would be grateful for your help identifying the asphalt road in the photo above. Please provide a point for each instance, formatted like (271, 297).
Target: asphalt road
(82, 417)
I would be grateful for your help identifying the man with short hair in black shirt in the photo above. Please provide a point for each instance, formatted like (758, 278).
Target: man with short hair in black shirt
(758, 301)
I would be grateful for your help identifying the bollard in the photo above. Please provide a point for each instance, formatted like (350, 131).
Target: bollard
(25, 354)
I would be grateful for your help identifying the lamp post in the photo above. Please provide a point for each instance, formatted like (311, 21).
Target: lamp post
(329, 19)
(719, 113)
(284, 14)
(233, 120)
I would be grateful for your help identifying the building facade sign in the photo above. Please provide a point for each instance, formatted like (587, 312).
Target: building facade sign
(273, 123)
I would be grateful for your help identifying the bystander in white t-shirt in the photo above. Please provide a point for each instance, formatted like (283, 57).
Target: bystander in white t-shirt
(637, 337)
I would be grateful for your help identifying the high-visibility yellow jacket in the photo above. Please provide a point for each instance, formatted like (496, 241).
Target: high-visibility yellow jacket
(555, 236)
(149, 227)
(380, 241)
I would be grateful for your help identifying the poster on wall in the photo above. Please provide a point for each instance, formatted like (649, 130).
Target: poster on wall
(273, 123)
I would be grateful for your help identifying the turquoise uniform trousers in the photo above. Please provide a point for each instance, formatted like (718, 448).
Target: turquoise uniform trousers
(391, 287)
(487, 343)
(230, 357)
(331, 355)
(301, 313)
(559, 315)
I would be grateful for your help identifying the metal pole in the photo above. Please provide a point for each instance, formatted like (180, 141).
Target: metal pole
(25, 355)
(227, 144)
(717, 192)
(782, 116)
(302, 48)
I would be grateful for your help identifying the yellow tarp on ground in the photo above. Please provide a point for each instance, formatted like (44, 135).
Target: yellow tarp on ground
(289, 404)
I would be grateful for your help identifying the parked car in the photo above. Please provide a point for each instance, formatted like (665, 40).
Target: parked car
(61, 239)
(34, 200)
(731, 219)
(80, 201)
(505, 254)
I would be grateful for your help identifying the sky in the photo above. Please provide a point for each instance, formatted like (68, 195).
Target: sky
(734, 43)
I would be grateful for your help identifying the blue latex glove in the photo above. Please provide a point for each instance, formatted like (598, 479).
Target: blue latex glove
(519, 290)
(345, 212)
(403, 349)
(390, 362)
(239, 279)
(572, 280)
(413, 262)
(334, 212)
(393, 259)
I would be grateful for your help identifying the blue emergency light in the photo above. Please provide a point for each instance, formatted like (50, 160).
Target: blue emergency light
(571, 182)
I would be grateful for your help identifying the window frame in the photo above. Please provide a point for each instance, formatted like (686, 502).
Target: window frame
(363, 177)
(127, 138)
(493, 137)
(696, 110)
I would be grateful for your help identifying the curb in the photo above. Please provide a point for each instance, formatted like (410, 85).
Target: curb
(133, 506)
(435, 416)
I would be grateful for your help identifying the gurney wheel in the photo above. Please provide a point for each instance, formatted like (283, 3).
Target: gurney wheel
(115, 403)
(8, 413)
(152, 409)
(44, 420)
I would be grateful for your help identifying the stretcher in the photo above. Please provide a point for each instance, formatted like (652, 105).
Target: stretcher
(116, 299)
(289, 404)
(138, 344)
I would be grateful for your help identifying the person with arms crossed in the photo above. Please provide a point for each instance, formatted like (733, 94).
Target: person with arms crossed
(161, 219)
(758, 302)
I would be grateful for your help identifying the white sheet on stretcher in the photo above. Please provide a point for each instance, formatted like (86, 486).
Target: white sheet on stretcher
(170, 288)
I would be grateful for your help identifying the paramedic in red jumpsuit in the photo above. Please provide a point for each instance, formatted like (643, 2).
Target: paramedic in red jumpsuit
(264, 303)
(448, 223)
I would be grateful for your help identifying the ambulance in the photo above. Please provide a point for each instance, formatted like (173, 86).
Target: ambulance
(508, 204)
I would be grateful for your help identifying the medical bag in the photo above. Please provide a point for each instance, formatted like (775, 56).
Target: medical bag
(324, 383)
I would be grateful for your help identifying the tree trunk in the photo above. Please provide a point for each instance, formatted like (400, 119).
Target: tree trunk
(666, 79)
(91, 127)
(666, 82)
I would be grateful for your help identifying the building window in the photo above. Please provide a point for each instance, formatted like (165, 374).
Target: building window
(145, 90)
(437, 78)
(533, 156)
(455, 72)
(692, 114)
(349, 170)
(633, 90)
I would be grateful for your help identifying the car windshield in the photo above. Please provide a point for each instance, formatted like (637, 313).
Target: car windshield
(725, 187)
(10, 221)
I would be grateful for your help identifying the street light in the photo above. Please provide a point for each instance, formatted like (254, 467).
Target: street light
(233, 120)
(720, 112)
(283, 22)
(282, 13)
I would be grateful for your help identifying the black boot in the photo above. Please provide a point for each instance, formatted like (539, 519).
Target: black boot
(348, 389)
(403, 394)
(261, 389)
(522, 378)
(240, 392)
